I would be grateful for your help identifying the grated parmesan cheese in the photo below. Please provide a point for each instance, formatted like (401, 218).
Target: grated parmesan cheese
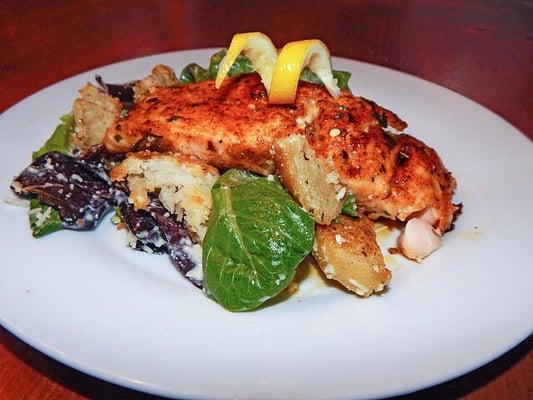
(361, 289)
(42, 217)
(339, 239)
(13, 201)
(341, 193)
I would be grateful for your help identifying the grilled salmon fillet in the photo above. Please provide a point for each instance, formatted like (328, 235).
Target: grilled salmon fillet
(392, 175)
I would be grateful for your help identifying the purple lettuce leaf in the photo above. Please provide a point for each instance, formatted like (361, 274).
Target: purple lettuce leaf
(70, 186)
(124, 92)
(156, 230)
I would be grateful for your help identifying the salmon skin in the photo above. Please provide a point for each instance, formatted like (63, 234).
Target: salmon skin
(392, 174)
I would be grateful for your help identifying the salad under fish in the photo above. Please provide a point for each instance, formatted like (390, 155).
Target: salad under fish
(238, 233)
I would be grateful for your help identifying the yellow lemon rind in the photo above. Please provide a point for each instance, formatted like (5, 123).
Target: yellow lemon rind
(258, 48)
(292, 59)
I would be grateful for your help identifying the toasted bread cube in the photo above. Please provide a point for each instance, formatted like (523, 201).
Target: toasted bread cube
(94, 111)
(161, 76)
(309, 180)
(184, 185)
(347, 252)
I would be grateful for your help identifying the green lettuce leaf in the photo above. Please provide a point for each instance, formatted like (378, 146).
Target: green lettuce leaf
(43, 226)
(342, 78)
(60, 142)
(257, 236)
(60, 139)
(242, 65)
(193, 73)
(349, 207)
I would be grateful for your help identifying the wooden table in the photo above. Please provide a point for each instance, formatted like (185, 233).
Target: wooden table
(481, 49)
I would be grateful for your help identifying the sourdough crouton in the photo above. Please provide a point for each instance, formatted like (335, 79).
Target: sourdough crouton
(161, 76)
(314, 185)
(347, 252)
(184, 186)
(94, 111)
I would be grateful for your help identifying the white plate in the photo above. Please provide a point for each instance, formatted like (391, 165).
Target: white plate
(130, 318)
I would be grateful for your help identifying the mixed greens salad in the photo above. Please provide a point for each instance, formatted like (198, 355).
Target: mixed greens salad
(257, 234)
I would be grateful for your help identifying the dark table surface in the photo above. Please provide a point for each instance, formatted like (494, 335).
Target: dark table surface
(481, 49)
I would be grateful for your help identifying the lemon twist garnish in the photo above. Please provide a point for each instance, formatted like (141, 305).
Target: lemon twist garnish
(292, 59)
(258, 48)
(280, 73)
